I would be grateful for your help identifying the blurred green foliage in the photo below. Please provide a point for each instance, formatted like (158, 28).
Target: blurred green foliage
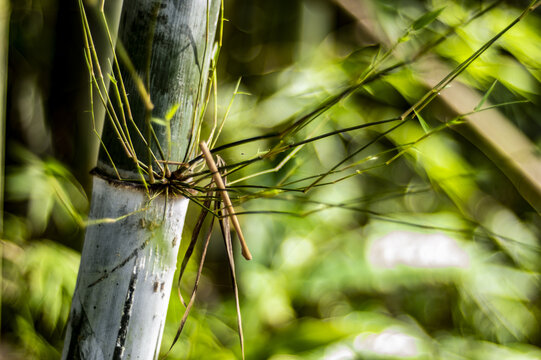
(317, 288)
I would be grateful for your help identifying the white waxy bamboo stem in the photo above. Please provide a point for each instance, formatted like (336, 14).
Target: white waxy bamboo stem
(125, 276)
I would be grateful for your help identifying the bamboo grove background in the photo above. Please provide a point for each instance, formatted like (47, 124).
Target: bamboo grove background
(422, 245)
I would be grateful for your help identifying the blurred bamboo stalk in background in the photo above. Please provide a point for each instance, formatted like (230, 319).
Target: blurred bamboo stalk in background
(70, 100)
(4, 46)
(4, 41)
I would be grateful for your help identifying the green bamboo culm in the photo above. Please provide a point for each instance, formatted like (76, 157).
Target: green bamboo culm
(152, 115)
(164, 50)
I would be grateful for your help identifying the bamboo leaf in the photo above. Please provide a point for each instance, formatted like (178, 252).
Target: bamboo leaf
(423, 122)
(226, 231)
(195, 287)
(426, 19)
(159, 121)
(485, 97)
(171, 112)
(191, 247)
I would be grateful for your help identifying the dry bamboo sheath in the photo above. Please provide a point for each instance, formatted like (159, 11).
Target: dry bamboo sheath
(225, 197)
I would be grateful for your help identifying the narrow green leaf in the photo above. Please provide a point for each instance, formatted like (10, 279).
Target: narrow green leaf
(56, 168)
(426, 19)
(171, 112)
(422, 121)
(112, 79)
(361, 58)
(159, 121)
(404, 38)
(216, 52)
(485, 97)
